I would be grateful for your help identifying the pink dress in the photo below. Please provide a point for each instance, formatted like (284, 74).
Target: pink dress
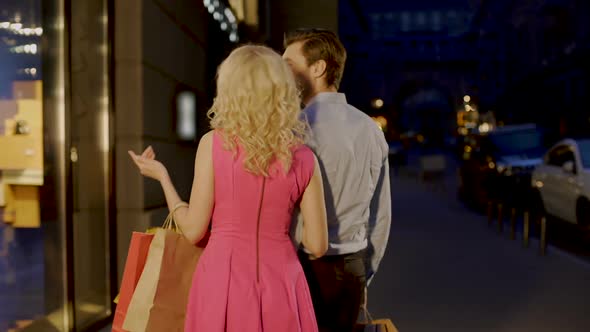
(249, 278)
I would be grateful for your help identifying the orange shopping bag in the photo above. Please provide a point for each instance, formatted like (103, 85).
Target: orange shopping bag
(136, 258)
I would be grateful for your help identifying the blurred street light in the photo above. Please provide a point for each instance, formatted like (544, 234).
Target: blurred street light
(466, 98)
(484, 127)
(381, 122)
(377, 103)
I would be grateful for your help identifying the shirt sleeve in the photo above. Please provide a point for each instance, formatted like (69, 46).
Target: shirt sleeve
(380, 209)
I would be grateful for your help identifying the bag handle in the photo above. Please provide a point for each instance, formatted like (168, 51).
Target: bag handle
(365, 314)
(170, 222)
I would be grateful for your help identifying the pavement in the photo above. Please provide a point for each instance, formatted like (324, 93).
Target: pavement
(445, 269)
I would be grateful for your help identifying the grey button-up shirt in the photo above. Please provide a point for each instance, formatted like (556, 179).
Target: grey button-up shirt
(352, 153)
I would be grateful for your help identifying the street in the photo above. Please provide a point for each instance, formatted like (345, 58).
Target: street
(446, 270)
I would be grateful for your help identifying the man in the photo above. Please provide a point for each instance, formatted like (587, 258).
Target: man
(352, 153)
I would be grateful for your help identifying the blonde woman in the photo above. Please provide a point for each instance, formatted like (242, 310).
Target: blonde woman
(251, 171)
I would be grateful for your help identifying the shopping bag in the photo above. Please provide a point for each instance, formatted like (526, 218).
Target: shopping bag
(136, 259)
(165, 274)
(178, 265)
(143, 297)
(368, 324)
(377, 325)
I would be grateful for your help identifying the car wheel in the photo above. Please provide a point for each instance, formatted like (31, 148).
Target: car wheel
(583, 212)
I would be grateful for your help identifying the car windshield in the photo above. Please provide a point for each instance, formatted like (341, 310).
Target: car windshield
(584, 147)
(525, 143)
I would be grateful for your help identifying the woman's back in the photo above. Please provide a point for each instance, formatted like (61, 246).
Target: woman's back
(249, 277)
(240, 195)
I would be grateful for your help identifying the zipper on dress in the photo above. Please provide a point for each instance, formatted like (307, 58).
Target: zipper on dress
(258, 231)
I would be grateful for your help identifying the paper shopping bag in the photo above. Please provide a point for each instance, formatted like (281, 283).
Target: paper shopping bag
(368, 324)
(178, 265)
(136, 259)
(376, 325)
(145, 291)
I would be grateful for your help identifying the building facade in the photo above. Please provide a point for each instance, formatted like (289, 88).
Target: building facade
(540, 72)
(417, 57)
(82, 83)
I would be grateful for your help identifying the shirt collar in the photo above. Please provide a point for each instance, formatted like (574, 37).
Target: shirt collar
(328, 97)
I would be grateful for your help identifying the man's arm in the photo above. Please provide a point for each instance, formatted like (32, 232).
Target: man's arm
(380, 216)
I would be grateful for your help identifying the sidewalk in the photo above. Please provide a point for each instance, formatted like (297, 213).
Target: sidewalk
(445, 270)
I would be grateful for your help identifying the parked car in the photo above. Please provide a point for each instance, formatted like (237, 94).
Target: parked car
(497, 166)
(562, 182)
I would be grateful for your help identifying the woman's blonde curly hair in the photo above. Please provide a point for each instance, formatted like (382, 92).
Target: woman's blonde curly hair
(258, 107)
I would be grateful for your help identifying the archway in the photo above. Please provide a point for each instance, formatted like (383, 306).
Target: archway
(427, 109)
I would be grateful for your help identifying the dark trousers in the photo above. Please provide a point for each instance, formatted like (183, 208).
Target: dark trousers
(336, 284)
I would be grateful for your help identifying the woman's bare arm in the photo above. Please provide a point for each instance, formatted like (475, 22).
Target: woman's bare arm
(313, 210)
(194, 219)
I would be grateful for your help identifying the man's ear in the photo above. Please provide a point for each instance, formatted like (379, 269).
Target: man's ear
(318, 69)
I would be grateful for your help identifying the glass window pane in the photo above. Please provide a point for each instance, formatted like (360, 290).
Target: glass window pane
(32, 274)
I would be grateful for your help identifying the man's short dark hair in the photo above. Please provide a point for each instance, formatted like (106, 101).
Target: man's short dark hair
(321, 44)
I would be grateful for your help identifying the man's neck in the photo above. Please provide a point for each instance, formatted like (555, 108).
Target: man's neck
(327, 89)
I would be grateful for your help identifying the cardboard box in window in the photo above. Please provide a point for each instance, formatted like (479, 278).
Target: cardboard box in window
(27, 90)
(2, 195)
(21, 152)
(30, 111)
(22, 142)
(8, 110)
(22, 208)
